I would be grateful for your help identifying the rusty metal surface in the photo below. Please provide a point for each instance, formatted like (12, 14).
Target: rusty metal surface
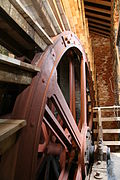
(53, 143)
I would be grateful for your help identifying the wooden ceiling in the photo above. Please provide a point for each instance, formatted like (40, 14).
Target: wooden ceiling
(99, 14)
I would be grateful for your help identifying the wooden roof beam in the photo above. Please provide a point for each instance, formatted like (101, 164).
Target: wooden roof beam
(99, 30)
(98, 16)
(97, 9)
(52, 16)
(99, 21)
(104, 3)
(63, 15)
(100, 34)
(55, 9)
(99, 26)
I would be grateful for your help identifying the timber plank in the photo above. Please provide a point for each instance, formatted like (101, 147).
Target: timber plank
(9, 127)
(100, 31)
(105, 3)
(99, 26)
(109, 131)
(98, 16)
(107, 119)
(14, 62)
(100, 21)
(15, 71)
(110, 143)
(97, 9)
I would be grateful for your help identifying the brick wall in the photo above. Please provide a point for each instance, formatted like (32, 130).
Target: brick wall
(104, 70)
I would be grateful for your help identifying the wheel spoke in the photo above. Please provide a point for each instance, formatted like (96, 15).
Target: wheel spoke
(53, 124)
(65, 113)
(78, 173)
(42, 147)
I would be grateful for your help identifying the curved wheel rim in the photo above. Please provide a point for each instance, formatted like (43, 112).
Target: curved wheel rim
(46, 81)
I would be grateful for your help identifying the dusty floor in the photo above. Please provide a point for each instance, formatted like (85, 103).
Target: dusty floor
(114, 167)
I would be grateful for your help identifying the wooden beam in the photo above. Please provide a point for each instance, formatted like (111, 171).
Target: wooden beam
(8, 130)
(105, 119)
(63, 16)
(104, 3)
(51, 14)
(42, 15)
(99, 31)
(15, 71)
(55, 9)
(108, 131)
(99, 26)
(97, 9)
(14, 10)
(98, 16)
(9, 127)
(109, 143)
(17, 63)
(33, 20)
(99, 21)
(100, 34)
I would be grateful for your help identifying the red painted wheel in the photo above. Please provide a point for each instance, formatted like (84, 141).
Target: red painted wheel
(53, 145)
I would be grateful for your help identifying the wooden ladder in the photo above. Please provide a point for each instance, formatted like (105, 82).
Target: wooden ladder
(110, 127)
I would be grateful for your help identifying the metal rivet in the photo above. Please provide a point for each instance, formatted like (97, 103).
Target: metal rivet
(98, 175)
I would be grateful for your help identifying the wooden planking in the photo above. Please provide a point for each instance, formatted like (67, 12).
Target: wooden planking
(98, 12)
(99, 21)
(108, 131)
(14, 10)
(107, 119)
(100, 34)
(63, 16)
(9, 127)
(68, 12)
(15, 62)
(98, 16)
(99, 30)
(110, 143)
(99, 26)
(15, 76)
(55, 9)
(52, 15)
(15, 71)
(104, 3)
(97, 9)
(44, 17)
